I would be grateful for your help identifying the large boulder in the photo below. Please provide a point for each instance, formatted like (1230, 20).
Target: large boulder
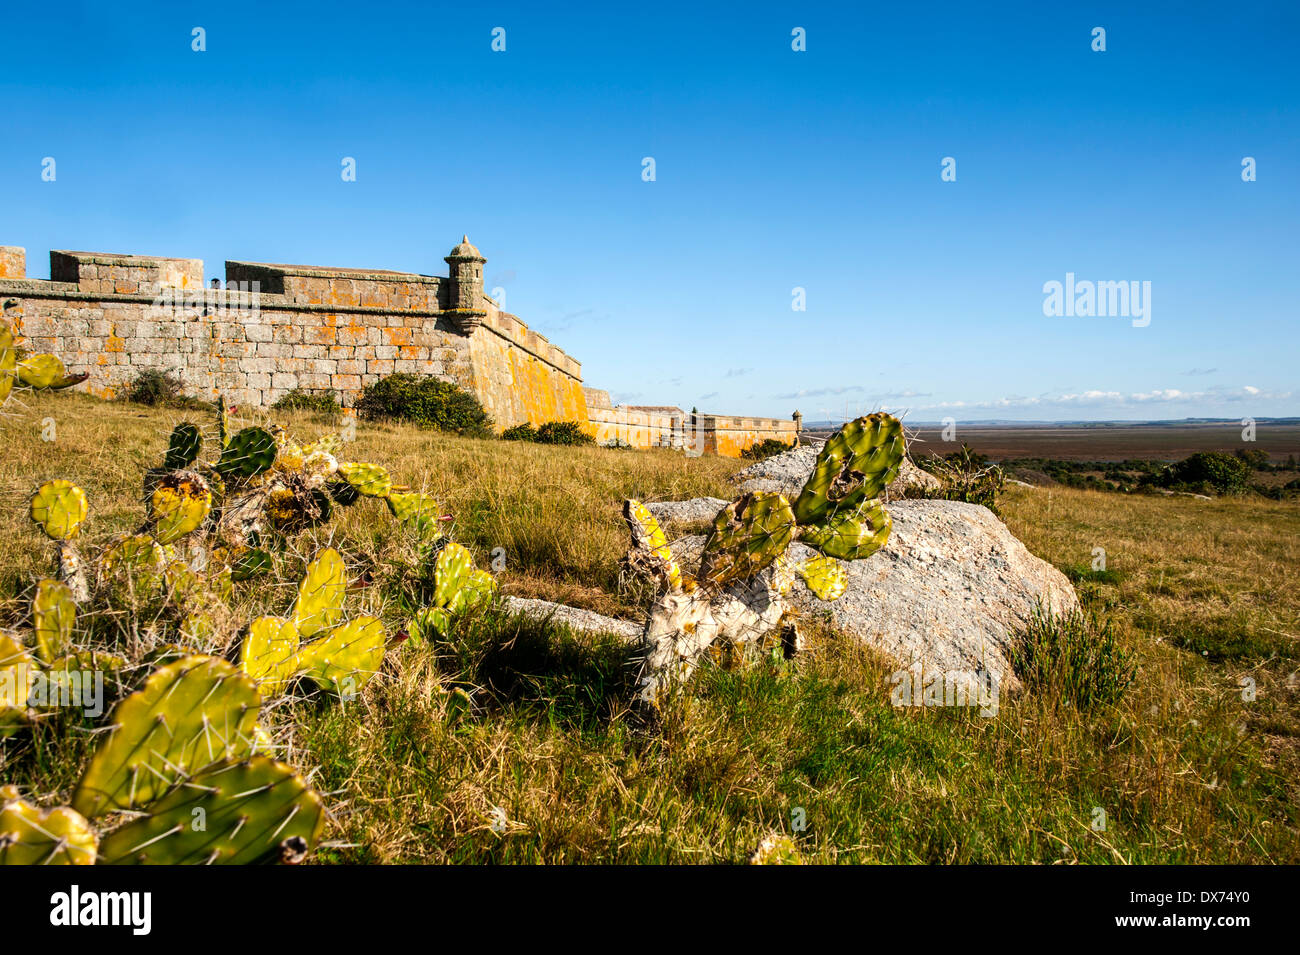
(949, 590)
(789, 471)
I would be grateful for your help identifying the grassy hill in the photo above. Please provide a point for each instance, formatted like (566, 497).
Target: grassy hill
(551, 766)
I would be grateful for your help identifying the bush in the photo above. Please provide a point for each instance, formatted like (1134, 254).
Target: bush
(427, 402)
(966, 476)
(767, 448)
(317, 402)
(520, 432)
(160, 389)
(1074, 657)
(563, 432)
(1206, 472)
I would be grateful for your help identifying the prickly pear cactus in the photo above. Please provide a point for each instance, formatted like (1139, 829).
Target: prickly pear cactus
(30, 835)
(223, 422)
(8, 361)
(368, 480)
(320, 594)
(189, 714)
(247, 453)
(853, 466)
(46, 372)
(179, 505)
(53, 614)
(825, 577)
(416, 511)
(17, 673)
(269, 653)
(183, 446)
(134, 573)
(249, 563)
(59, 507)
(347, 658)
(650, 543)
(776, 849)
(457, 588)
(851, 535)
(233, 813)
(747, 536)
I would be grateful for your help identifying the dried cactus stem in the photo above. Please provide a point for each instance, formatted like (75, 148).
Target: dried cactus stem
(72, 571)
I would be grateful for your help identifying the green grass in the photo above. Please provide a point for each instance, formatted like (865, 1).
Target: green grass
(1140, 715)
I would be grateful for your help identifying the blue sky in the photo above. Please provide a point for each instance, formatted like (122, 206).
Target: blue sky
(774, 169)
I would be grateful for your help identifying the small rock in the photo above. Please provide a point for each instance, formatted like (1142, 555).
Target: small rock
(574, 617)
(696, 509)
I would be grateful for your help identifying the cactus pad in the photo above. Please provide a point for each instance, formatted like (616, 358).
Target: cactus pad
(8, 361)
(53, 614)
(268, 653)
(747, 536)
(776, 849)
(30, 835)
(427, 623)
(320, 594)
(134, 573)
(46, 372)
(457, 585)
(852, 535)
(650, 543)
(347, 658)
(369, 480)
(250, 563)
(183, 446)
(825, 577)
(179, 505)
(59, 507)
(417, 511)
(189, 714)
(249, 452)
(17, 673)
(853, 466)
(232, 813)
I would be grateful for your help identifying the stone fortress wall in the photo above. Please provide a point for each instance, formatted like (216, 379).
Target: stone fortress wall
(652, 427)
(274, 328)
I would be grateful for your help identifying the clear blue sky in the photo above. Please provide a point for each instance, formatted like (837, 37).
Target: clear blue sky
(775, 169)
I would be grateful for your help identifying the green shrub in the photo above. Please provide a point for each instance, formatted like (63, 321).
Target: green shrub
(966, 476)
(317, 402)
(427, 402)
(1206, 472)
(160, 389)
(767, 448)
(1073, 656)
(563, 432)
(520, 432)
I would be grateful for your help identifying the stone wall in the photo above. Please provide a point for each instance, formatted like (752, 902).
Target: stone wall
(274, 328)
(643, 427)
(279, 327)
